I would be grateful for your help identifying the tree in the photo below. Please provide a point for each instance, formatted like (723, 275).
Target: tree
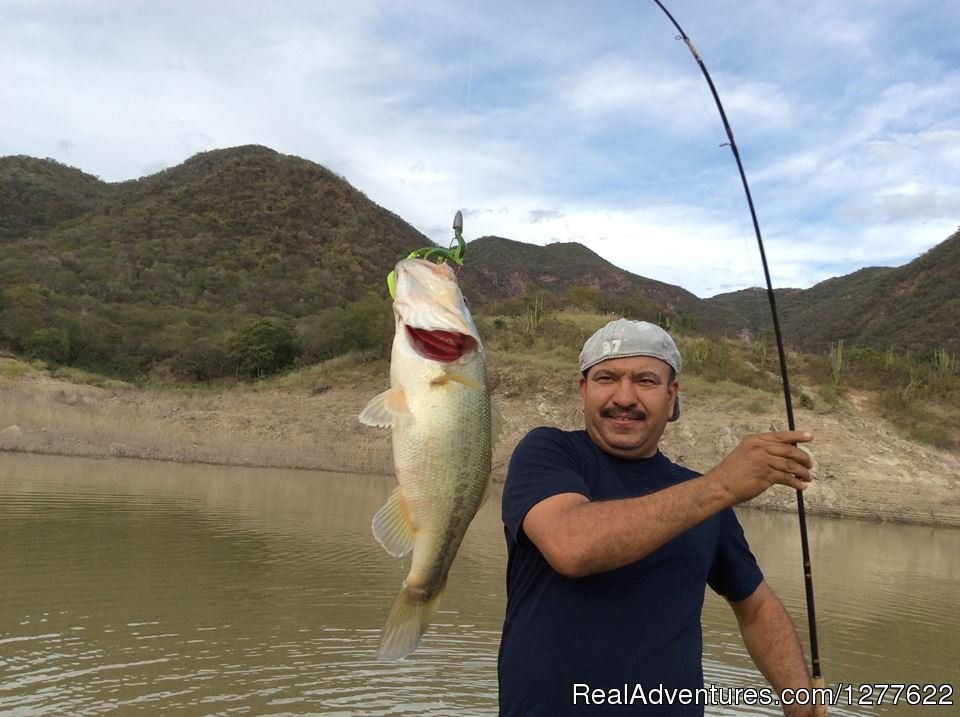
(203, 359)
(264, 347)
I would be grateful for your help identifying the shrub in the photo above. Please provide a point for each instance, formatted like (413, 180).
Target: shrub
(51, 345)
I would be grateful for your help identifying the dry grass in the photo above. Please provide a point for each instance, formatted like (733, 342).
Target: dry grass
(12, 369)
(739, 398)
(263, 426)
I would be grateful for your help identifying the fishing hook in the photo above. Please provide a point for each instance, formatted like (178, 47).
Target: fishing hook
(453, 254)
(804, 543)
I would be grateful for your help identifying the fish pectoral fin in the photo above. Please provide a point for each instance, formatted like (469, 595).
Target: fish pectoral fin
(450, 376)
(383, 407)
(392, 527)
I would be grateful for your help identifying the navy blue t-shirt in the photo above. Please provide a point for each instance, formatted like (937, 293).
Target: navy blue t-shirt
(636, 625)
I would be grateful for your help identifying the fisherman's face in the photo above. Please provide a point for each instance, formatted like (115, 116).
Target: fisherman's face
(626, 404)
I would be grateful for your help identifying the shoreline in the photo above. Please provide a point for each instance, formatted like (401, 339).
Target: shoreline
(820, 510)
(192, 462)
(864, 469)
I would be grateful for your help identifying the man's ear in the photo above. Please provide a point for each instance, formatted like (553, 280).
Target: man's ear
(674, 390)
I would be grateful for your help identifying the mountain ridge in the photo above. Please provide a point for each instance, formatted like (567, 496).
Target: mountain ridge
(151, 266)
(913, 307)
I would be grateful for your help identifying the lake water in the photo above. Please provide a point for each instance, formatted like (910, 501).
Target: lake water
(136, 588)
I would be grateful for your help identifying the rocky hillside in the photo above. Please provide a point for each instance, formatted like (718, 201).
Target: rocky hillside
(502, 269)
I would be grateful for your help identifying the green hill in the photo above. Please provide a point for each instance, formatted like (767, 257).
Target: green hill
(752, 307)
(501, 269)
(243, 229)
(914, 307)
(130, 276)
(206, 268)
(167, 272)
(38, 194)
(505, 268)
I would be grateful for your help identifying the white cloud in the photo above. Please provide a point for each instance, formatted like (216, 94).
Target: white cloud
(587, 123)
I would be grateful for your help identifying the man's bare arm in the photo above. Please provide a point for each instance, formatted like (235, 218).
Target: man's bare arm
(771, 640)
(579, 537)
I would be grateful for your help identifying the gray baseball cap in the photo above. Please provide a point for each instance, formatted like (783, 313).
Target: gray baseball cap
(623, 338)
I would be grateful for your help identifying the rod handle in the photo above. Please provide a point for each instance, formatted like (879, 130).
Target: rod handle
(819, 709)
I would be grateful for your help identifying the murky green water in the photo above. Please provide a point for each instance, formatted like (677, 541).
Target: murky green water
(131, 588)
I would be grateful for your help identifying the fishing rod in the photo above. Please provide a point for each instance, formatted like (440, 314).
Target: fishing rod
(804, 543)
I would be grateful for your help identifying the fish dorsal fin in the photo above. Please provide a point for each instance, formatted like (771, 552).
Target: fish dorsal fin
(383, 407)
(451, 376)
(391, 525)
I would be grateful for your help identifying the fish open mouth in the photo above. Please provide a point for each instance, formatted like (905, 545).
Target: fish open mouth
(443, 346)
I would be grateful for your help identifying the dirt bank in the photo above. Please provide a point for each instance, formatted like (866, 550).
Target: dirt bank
(865, 469)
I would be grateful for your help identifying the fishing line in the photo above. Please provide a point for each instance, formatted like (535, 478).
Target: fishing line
(717, 137)
(801, 512)
(468, 97)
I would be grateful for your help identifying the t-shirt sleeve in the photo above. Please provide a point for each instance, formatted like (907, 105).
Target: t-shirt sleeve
(543, 464)
(734, 573)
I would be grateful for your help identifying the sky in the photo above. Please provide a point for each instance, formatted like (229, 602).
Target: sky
(544, 121)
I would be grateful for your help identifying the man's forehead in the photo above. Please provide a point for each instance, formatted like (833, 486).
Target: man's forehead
(633, 364)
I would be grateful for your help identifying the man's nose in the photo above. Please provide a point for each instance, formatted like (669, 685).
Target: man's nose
(625, 395)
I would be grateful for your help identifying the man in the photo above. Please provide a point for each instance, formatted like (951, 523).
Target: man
(610, 546)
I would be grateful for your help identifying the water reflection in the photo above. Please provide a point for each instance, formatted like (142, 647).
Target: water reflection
(144, 588)
(886, 597)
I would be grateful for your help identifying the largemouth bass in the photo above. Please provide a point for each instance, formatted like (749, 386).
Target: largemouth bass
(438, 407)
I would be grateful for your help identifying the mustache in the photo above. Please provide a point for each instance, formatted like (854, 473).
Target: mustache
(635, 414)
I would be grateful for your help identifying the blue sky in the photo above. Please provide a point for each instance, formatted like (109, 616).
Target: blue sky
(545, 121)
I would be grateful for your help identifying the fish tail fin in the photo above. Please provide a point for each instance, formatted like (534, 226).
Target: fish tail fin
(409, 618)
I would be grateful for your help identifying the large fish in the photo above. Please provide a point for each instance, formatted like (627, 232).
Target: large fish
(438, 406)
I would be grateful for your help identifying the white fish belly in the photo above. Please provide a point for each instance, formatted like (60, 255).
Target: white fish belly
(442, 460)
